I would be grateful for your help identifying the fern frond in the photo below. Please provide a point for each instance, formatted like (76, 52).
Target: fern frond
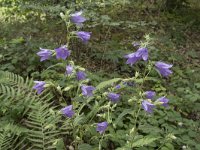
(42, 123)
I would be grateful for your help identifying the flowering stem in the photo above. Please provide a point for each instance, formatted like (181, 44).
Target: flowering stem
(109, 120)
(100, 142)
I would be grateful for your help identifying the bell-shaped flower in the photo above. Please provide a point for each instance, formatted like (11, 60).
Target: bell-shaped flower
(84, 36)
(150, 94)
(77, 18)
(87, 90)
(68, 111)
(164, 101)
(69, 69)
(147, 106)
(39, 86)
(101, 127)
(44, 54)
(163, 68)
(81, 75)
(141, 53)
(62, 52)
(113, 97)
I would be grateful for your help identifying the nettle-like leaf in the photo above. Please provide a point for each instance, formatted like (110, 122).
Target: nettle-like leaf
(107, 83)
(144, 141)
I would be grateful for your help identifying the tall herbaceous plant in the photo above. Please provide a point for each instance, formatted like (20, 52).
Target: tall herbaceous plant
(96, 115)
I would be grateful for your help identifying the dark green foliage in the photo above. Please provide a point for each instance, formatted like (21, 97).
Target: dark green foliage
(28, 121)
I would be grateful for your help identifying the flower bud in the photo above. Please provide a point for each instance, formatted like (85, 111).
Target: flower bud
(67, 88)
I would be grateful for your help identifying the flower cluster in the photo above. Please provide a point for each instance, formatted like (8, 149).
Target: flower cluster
(142, 53)
(63, 53)
(148, 105)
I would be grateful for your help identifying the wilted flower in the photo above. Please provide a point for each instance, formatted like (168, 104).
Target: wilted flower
(150, 94)
(62, 52)
(164, 101)
(141, 53)
(80, 75)
(68, 111)
(39, 86)
(44, 54)
(147, 106)
(84, 36)
(163, 68)
(69, 69)
(114, 97)
(87, 90)
(101, 127)
(77, 18)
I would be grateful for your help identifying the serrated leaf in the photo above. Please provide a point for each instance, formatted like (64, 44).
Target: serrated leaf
(144, 141)
(107, 83)
(85, 147)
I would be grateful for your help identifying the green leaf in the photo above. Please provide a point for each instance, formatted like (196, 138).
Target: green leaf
(79, 120)
(85, 147)
(107, 83)
(125, 112)
(144, 141)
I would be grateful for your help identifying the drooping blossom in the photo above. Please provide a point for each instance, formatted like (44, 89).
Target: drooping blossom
(101, 127)
(69, 69)
(80, 75)
(163, 68)
(68, 111)
(62, 52)
(39, 86)
(131, 58)
(147, 106)
(150, 94)
(164, 101)
(77, 18)
(44, 54)
(87, 90)
(114, 97)
(84, 36)
(141, 53)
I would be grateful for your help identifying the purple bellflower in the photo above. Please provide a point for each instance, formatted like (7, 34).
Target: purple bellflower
(69, 69)
(80, 75)
(147, 106)
(101, 127)
(44, 54)
(114, 97)
(117, 86)
(77, 18)
(84, 36)
(87, 90)
(62, 52)
(39, 86)
(141, 53)
(150, 94)
(163, 68)
(68, 111)
(164, 100)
